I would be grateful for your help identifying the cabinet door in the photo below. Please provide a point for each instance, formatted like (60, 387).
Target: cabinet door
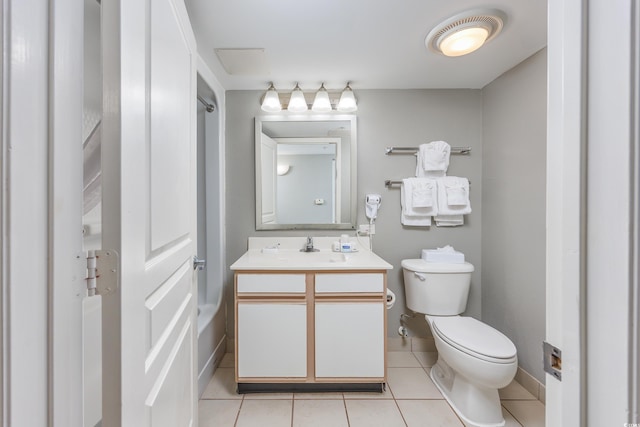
(349, 340)
(272, 339)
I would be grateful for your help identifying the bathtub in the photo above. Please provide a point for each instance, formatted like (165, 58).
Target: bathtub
(211, 342)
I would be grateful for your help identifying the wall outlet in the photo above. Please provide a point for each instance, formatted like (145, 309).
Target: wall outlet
(367, 229)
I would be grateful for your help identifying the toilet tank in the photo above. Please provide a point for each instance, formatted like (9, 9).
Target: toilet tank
(437, 289)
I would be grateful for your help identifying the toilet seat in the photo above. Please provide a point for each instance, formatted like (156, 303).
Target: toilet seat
(474, 338)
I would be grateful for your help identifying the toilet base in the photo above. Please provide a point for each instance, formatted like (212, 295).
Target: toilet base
(477, 406)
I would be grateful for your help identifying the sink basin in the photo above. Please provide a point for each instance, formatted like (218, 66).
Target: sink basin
(309, 259)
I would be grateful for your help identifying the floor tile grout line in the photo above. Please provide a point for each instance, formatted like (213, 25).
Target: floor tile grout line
(510, 413)
(238, 414)
(346, 411)
(401, 414)
(293, 407)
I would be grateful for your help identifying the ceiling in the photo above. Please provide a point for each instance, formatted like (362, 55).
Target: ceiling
(373, 44)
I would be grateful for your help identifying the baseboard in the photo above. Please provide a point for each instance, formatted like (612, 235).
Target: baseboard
(415, 344)
(531, 384)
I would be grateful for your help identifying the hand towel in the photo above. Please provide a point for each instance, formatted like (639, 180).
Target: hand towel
(433, 159)
(423, 192)
(449, 220)
(411, 214)
(453, 196)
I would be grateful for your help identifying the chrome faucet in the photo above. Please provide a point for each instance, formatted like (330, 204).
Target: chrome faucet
(308, 247)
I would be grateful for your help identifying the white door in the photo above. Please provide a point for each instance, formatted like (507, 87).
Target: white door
(149, 213)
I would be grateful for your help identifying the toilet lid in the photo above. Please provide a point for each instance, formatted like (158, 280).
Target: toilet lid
(474, 337)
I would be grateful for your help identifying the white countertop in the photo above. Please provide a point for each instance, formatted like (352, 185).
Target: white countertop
(287, 256)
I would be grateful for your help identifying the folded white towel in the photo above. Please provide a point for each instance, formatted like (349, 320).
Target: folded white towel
(419, 196)
(453, 196)
(415, 221)
(410, 214)
(449, 220)
(433, 159)
(457, 196)
(424, 192)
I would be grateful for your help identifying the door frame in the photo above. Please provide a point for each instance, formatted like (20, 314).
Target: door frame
(67, 260)
(593, 296)
(41, 172)
(566, 184)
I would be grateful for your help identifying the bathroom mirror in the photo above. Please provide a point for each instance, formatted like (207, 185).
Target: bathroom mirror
(305, 172)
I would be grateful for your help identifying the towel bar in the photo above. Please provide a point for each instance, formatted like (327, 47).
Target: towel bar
(414, 150)
(390, 182)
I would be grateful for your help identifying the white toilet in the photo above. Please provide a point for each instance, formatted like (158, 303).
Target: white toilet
(474, 360)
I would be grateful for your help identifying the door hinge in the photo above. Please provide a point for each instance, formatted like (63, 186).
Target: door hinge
(102, 272)
(552, 360)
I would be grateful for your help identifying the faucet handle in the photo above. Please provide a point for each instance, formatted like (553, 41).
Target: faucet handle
(308, 247)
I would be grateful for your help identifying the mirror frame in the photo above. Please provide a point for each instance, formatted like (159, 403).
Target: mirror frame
(353, 173)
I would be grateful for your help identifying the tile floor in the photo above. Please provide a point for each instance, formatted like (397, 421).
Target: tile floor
(410, 400)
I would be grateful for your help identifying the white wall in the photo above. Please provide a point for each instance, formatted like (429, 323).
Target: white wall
(385, 118)
(513, 216)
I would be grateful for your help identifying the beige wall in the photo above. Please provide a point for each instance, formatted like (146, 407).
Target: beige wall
(513, 216)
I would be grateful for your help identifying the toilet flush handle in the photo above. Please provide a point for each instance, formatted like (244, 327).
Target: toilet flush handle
(420, 276)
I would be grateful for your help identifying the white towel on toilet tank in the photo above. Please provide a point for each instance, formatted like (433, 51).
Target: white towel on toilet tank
(433, 159)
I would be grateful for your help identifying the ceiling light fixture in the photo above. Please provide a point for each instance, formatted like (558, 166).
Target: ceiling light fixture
(297, 103)
(347, 103)
(466, 32)
(321, 103)
(271, 100)
(325, 101)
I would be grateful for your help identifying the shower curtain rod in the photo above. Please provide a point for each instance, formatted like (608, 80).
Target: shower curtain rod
(207, 106)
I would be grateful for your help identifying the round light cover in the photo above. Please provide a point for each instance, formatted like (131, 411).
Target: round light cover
(464, 41)
(465, 32)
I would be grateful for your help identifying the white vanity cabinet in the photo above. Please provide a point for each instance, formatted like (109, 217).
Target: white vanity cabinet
(310, 330)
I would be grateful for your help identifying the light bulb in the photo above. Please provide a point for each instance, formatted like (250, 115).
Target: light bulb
(271, 101)
(297, 103)
(347, 103)
(321, 103)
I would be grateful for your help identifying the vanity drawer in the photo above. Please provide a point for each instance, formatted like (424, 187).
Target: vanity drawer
(353, 282)
(271, 283)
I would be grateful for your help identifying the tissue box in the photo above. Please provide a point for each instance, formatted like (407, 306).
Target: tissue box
(449, 257)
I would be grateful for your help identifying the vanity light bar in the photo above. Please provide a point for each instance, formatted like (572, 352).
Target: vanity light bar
(324, 100)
